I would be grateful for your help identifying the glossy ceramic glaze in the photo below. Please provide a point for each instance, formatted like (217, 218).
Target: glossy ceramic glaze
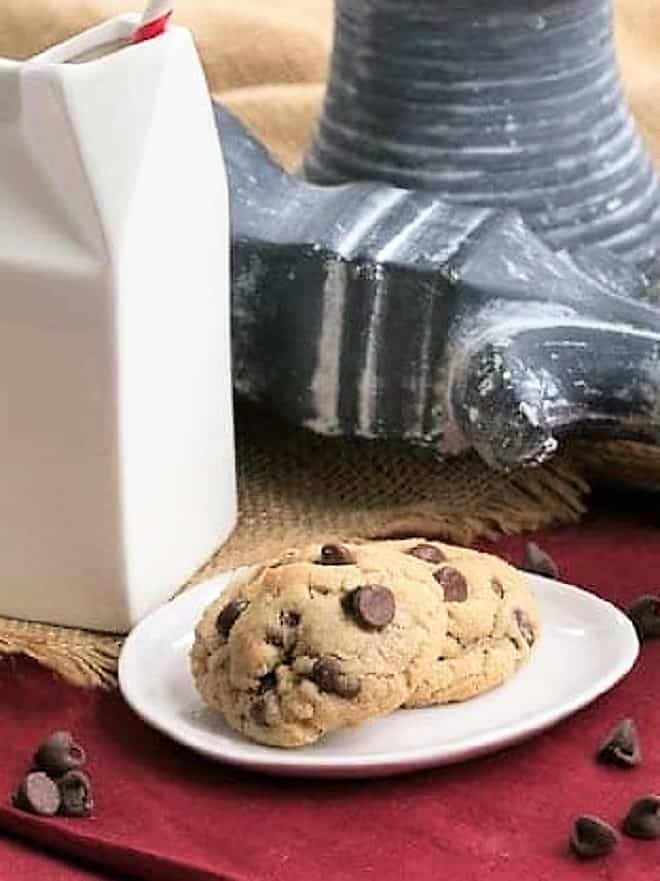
(500, 103)
(469, 257)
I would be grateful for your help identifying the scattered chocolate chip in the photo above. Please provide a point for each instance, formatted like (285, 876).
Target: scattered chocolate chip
(289, 619)
(75, 794)
(328, 674)
(645, 615)
(336, 555)
(592, 837)
(524, 626)
(38, 794)
(58, 754)
(539, 562)
(346, 602)
(229, 615)
(453, 584)
(372, 605)
(621, 746)
(643, 818)
(428, 553)
(496, 587)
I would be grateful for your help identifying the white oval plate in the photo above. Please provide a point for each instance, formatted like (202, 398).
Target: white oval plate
(587, 645)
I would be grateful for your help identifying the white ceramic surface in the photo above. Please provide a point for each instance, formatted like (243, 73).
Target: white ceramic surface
(587, 645)
(116, 431)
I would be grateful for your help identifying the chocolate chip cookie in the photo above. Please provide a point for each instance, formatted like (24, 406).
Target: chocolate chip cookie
(319, 640)
(326, 637)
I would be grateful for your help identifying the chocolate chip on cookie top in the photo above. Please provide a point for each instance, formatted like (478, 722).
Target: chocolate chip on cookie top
(265, 710)
(336, 555)
(258, 712)
(372, 605)
(428, 553)
(496, 587)
(330, 677)
(289, 618)
(524, 626)
(229, 615)
(453, 584)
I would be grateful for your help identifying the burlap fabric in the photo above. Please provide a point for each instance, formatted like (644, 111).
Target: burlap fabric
(266, 60)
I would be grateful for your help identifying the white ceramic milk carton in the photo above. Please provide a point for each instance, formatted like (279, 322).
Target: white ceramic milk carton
(116, 434)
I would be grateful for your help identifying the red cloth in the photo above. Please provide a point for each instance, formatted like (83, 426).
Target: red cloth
(20, 860)
(164, 813)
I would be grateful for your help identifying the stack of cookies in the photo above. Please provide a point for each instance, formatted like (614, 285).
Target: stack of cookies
(327, 637)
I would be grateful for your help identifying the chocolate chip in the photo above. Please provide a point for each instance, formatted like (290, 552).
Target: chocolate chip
(592, 837)
(258, 712)
(645, 615)
(336, 555)
(428, 553)
(265, 711)
(497, 588)
(328, 674)
(289, 619)
(643, 818)
(38, 794)
(229, 615)
(59, 753)
(524, 626)
(372, 605)
(621, 746)
(539, 562)
(274, 638)
(453, 584)
(267, 682)
(75, 794)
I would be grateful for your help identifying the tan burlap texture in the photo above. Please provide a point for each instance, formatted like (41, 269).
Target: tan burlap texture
(266, 60)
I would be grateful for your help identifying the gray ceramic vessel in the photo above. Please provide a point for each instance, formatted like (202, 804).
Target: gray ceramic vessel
(468, 260)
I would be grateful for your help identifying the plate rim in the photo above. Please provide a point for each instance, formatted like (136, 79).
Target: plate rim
(290, 762)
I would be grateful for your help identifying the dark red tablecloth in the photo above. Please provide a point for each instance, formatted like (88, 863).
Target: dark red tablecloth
(164, 813)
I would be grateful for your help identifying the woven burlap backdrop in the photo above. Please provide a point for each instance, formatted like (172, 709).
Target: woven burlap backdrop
(266, 60)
